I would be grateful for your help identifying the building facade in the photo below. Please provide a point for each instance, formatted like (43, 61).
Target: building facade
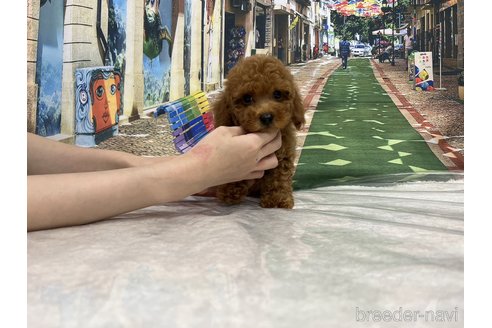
(163, 49)
(439, 27)
(166, 49)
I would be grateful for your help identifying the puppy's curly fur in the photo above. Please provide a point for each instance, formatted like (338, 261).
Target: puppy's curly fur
(260, 95)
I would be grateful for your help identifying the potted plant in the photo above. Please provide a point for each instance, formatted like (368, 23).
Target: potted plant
(461, 85)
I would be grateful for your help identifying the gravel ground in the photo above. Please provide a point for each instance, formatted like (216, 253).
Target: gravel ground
(146, 136)
(150, 136)
(442, 108)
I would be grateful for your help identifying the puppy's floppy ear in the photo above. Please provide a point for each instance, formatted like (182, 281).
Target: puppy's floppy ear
(222, 110)
(298, 112)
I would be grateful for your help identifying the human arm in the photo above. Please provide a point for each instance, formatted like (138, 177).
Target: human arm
(225, 155)
(46, 156)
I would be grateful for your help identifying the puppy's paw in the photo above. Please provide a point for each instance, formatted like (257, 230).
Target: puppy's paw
(232, 193)
(277, 201)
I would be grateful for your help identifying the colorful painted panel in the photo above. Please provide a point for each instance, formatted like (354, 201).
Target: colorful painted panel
(424, 77)
(97, 104)
(117, 11)
(157, 48)
(189, 118)
(210, 7)
(49, 67)
(187, 46)
(364, 8)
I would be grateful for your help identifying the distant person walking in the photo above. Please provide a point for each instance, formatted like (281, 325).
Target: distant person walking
(280, 46)
(408, 39)
(344, 47)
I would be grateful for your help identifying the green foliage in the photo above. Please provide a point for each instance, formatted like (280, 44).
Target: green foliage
(348, 26)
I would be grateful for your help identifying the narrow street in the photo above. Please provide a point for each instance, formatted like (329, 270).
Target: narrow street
(364, 223)
(441, 112)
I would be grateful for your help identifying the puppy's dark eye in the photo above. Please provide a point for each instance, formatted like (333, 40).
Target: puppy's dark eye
(247, 99)
(277, 94)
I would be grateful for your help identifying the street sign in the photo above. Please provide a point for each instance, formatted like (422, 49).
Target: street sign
(423, 73)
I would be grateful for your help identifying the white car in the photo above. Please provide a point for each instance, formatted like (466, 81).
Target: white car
(360, 50)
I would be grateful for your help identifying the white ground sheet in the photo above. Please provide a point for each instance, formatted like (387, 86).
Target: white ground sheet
(346, 256)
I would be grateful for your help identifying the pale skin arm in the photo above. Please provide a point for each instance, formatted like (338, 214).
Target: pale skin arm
(120, 182)
(45, 156)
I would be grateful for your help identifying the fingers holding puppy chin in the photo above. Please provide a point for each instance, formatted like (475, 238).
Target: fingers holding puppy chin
(255, 175)
(267, 163)
(269, 148)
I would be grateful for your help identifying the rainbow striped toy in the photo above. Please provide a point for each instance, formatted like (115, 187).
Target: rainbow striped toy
(189, 118)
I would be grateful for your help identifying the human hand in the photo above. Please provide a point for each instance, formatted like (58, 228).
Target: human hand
(228, 154)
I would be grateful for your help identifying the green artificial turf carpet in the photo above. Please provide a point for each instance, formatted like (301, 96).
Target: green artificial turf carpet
(358, 132)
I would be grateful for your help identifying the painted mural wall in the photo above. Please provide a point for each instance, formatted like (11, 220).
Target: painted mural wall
(49, 67)
(157, 49)
(117, 13)
(98, 104)
(212, 44)
(177, 55)
(187, 45)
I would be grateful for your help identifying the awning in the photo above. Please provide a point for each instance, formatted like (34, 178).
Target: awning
(294, 23)
(389, 31)
(363, 8)
(448, 4)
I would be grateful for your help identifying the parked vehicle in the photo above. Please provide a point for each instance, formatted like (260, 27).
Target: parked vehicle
(325, 48)
(328, 49)
(381, 44)
(332, 51)
(398, 46)
(316, 52)
(377, 49)
(360, 50)
(399, 50)
(352, 45)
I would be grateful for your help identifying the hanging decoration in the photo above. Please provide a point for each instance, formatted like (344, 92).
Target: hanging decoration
(294, 23)
(361, 8)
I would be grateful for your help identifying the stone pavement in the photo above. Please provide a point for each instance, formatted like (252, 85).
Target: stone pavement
(441, 112)
(148, 136)
(442, 109)
(426, 120)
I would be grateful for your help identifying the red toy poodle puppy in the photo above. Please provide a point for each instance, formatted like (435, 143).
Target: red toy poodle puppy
(259, 95)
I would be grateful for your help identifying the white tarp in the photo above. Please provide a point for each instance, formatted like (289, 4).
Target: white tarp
(343, 254)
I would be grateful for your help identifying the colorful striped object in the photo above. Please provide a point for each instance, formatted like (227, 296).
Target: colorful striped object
(189, 118)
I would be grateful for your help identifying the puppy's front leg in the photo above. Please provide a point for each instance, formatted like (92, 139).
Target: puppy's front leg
(233, 193)
(276, 186)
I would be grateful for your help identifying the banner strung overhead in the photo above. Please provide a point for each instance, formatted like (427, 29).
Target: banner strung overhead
(294, 23)
(363, 8)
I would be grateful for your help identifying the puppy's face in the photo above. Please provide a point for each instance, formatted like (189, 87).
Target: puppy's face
(261, 95)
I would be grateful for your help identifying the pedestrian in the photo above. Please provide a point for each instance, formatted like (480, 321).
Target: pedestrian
(316, 51)
(344, 47)
(281, 50)
(408, 40)
(325, 48)
(69, 185)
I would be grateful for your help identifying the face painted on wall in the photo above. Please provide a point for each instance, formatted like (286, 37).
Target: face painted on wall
(105, 103)
(117, 81)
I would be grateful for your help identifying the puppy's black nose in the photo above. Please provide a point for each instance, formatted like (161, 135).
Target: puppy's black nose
(266, 118)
